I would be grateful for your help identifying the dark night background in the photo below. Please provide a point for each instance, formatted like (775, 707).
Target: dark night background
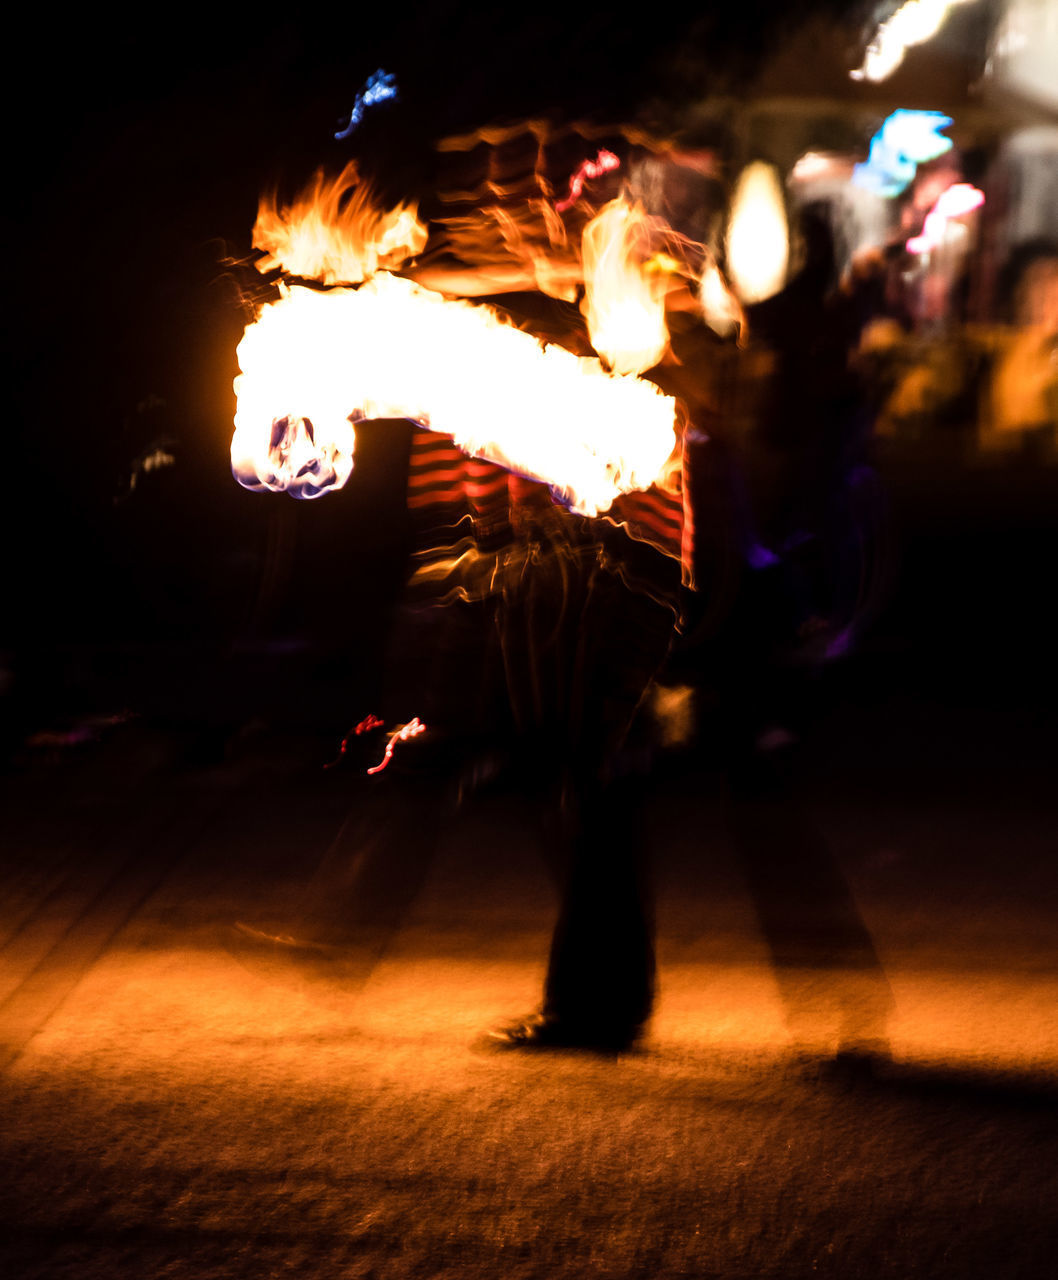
(137, 154)
(135, 165)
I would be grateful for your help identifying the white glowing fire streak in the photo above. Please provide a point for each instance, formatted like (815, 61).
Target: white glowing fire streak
(394, 349)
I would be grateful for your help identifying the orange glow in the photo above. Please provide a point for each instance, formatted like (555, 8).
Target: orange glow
(1024, 393)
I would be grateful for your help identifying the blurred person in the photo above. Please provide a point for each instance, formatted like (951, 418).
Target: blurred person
(802, 454)
(780, 510)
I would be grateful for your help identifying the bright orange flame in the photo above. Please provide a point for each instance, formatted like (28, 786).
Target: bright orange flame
(334, 234)
(624, 298)
(721, 310)
(314, 361)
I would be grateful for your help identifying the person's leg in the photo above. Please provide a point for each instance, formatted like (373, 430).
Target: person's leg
(601, 971)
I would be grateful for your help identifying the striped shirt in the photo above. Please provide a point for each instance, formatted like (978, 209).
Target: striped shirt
(468, 511)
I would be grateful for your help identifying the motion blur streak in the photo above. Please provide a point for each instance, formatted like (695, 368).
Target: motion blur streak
(402, 733)
(315, 361)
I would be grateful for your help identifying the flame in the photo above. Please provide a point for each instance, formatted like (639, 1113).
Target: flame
(333, 232)
(314, 361)
(720, 308)
(757, 240)
(624, 294)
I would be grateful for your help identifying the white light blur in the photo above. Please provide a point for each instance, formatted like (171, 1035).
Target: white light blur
(758, 246)
(915, 22)
(813, 165)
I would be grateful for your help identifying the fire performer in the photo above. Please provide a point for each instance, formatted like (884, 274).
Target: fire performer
(568, 591)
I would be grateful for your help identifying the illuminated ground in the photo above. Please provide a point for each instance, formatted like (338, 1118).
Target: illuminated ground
(173, 1106)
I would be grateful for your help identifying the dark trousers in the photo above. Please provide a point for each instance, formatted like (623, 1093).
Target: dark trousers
(580, 650)
(545, 676)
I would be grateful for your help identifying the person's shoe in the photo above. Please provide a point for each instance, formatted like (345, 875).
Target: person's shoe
(545, 1031)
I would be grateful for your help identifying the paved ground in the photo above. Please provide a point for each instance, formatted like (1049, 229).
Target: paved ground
(174, 1105)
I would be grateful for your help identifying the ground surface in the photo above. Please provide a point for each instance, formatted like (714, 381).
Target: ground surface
(177, 1103)
(174, 1105)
